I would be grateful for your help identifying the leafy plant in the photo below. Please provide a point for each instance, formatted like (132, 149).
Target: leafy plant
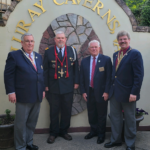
(8, 119)
(140, 112)
(141, 10)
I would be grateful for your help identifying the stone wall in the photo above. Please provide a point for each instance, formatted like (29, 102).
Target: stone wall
(79, 32)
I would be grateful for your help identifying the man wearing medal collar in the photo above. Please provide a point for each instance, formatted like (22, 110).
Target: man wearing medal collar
(127, 77)
(24, 83)
(61, 74)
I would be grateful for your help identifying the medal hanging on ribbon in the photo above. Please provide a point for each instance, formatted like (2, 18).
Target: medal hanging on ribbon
(61, 63)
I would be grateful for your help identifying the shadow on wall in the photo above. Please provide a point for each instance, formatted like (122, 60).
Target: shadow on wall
(79, 33)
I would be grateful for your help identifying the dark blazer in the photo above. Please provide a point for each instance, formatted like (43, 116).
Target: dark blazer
(102, 79)
(61, 85)
(128, 77)
(21, 77)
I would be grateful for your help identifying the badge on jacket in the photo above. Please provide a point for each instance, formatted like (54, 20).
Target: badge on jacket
(101, 69)
(41, 67)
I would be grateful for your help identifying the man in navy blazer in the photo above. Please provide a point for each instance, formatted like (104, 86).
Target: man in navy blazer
(24, 83)
(127, 77)
(95, 78)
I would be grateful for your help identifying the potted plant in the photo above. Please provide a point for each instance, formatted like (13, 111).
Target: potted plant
(7, 130)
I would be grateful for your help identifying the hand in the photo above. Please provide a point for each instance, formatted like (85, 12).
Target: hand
(46, 89)
(84, 96)
(43, 94)
(105, 95)
(76, 86)
(132, 98)
(12, 97)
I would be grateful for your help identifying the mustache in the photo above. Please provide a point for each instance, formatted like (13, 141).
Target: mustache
(123, 43)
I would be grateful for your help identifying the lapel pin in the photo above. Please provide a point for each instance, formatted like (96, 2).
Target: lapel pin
(41, 67)
(36, 57)
(99, 61)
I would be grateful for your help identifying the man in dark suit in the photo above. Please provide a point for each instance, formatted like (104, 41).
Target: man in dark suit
(95, 77)
(24, 83)
(61, 73)
(127, 77)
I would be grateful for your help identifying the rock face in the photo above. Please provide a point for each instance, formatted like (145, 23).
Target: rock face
(79, 32)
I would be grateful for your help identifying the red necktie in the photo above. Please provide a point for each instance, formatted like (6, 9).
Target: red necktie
(93, 70)
(32, 62)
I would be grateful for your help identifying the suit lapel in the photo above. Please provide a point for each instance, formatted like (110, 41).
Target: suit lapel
(37, 63)
(97, 64)
(123, 59)
(88, 65)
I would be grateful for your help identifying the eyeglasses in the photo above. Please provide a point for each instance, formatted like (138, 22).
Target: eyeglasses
(27, 41)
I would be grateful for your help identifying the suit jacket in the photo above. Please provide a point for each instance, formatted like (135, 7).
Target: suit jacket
(21, 77)
(128, 77)
(61, 85)
(102, 79)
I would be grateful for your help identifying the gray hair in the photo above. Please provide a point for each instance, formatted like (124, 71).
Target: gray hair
(26, 34)
(59, 32)
(123, 33)
(94, 41)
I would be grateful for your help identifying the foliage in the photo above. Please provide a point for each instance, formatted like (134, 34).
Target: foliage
(8, 119)
(141, 10)
(140, 112)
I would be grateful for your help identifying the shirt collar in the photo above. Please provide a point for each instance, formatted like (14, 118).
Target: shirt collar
(125, 50)
(27, 53)
(61, 48)
(95, 56)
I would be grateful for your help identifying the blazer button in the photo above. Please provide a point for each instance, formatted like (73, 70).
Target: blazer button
(113, 84)
(115, 76)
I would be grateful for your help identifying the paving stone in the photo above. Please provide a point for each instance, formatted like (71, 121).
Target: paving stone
(44, 41)
(73, 19)
(50, 31)
(51, 41)
(62, 18)
(88, 25)
(80, 29)
(85, 21)
(85, 45)
(77, 98)
(77, 47)
(63, 29)
(65, 23)
(78, 107)
(72, 39)
(80, 20)
(46, 35)
(54, 25)
(69, 30)
(88, 31)
(42, 48)
(82, 38)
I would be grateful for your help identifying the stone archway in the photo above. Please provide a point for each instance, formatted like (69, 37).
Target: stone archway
(79, 32)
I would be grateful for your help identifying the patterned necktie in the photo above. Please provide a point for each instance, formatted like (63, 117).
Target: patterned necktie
(93, 70)
(32, 62)
(60, 54)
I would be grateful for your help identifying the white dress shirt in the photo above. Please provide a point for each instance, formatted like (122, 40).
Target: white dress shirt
(91, 62)
(62, 50)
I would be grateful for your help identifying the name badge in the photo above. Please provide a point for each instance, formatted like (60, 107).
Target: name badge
(101, 69)
(53, 61)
